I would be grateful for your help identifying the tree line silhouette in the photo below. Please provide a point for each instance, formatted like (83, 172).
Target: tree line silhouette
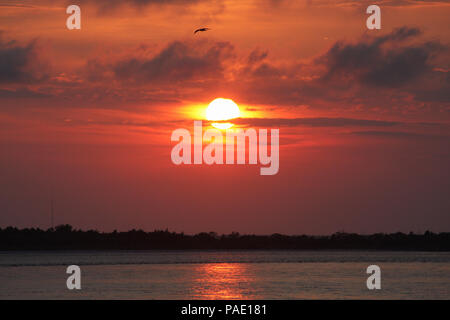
(64, 237)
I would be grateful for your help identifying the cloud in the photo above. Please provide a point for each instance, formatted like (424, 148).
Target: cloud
(391, 70)
(16, 5)
(345, 74)
(394, 70)
(257, 55)
(381, 61)
(17, 62)
(140, 2)
(21, 93)
(381, 3)
(110, 6)
(178, 62)
(399, 134)
(312, 122)
(318, 122)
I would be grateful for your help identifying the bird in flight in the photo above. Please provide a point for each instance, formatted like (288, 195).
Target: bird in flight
(201, 29)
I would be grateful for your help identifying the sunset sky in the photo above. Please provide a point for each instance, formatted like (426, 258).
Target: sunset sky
(364, 115)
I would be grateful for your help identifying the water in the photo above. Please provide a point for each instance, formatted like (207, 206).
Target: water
(224, 275)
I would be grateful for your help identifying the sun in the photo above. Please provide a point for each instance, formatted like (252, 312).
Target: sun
(221, 109)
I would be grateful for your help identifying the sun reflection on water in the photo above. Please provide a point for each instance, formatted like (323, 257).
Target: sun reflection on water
(222, 281)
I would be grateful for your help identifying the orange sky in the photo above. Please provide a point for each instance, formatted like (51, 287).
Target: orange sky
(86, 115)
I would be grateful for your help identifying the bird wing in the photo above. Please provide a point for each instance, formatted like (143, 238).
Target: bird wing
(201, 29)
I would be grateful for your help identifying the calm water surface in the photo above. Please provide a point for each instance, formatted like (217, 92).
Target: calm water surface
(224, 275)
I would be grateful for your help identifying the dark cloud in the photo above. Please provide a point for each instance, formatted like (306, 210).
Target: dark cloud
(258, 66)
(21, 93)
(266, 70)
(400, 134)
(257, 55)
(387, 72)
(16, 5)
(138, 3)
(146, 2)
(108, 6)
(399, 34)
(178, 62)
(254, 122)
(439, 89)
(382, 61)
(17, 62)
(371, 73)
(439, 95)
(312, 122)
(365, 3)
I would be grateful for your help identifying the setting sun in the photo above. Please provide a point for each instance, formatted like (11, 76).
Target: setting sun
(222, 109)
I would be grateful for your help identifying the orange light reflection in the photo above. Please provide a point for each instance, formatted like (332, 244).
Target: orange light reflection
(222, 281)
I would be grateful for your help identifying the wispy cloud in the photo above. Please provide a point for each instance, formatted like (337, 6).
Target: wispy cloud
(312, 122)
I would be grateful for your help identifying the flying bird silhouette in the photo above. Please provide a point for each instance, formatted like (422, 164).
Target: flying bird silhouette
(201, 29)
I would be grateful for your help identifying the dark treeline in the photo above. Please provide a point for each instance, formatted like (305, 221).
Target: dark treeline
(64, 237)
